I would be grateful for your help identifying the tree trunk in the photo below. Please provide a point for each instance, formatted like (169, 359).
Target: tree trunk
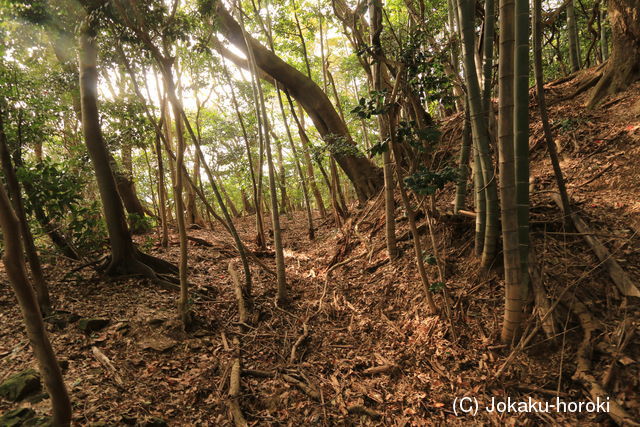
(13, 187)
(480, 133)
(36, 332)
(365, 176)
(125, 258)
(375, 18)
(463, 164)
(521, 138)
(184, 311)
(487, 53)
(303, 183)
(281, 295)
(508, 211)
(162, 196)
(574, 46)
(542, 106)
(304, 139)
(623, 66)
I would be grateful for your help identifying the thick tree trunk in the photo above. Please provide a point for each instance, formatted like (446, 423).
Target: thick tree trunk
(125, 258)
(40, 344)
(623, 66)
(365, 176)
(122, 250)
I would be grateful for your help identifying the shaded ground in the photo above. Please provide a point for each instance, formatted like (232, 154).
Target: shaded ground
(368, 313)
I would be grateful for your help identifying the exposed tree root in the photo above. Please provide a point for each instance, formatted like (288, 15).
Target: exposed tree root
(584, 86)
(159, 271)
(583, 367)
(236, 364)
(234, 388)
(542, 304)
(298, 343)
(612, 81)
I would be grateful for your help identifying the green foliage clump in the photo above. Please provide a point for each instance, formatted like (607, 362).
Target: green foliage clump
(371, 106)
(340, 146)
(426, 182)
(436, 287)
(418, 138)
(56, 190)
(425, 70)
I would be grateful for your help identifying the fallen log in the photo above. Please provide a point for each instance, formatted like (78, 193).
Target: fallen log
(619, 277)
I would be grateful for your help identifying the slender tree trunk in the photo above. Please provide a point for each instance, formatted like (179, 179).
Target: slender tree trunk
(521, 137)
(479, 201)
(36, 332)
(305, 191)
(455, 49)
(463, 164)
(480, 134)
(411, 217)
(487, 53)
(256, 197)
(281, 296)
(574, 46)
(375, 18)
(542, 106)
(306, 146)
(183, 303)
(162, 197)
(13, 187)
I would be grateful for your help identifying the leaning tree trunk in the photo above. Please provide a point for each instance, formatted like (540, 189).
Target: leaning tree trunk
(365, 176)
(623, 66)
(542, 107)
(40, 344)
(281, 292)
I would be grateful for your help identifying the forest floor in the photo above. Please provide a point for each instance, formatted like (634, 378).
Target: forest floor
(373, 354)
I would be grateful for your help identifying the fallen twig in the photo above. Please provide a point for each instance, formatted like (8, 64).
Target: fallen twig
(299, 341)
(104, 360)
(363, 410)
